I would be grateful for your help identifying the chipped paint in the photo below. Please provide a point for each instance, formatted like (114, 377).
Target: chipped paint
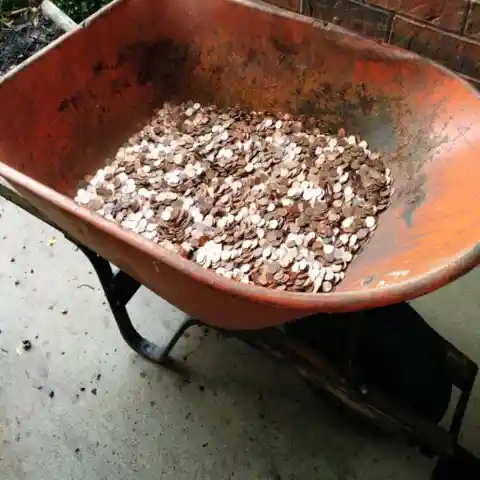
(367, 280)
(399, 273)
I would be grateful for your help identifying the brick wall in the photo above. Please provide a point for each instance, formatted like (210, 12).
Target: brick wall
(447, 31)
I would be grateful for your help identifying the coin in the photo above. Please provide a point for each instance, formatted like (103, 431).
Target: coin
(327, 287)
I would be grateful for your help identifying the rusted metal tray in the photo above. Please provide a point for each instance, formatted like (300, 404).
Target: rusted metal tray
(102, 82)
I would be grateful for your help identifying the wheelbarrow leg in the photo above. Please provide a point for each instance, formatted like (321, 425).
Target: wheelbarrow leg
(119, 288)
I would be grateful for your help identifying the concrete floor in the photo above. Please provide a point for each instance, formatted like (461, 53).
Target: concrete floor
(81, 405)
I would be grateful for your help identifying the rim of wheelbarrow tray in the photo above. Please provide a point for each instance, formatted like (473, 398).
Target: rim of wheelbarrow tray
(408, 289)
(320, 302)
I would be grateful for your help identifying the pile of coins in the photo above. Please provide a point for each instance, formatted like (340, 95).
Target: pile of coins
(257, 197)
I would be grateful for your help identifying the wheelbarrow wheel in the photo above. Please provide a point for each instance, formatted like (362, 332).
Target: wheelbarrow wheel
(461, 465)
(394, 350)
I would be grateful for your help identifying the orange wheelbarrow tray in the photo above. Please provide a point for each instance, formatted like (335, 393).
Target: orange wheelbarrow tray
(102, 82)
(97, 85)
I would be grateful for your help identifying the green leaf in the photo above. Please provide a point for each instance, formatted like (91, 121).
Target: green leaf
(79, 10)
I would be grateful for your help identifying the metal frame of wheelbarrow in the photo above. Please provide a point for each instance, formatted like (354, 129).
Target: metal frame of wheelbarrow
(119, 289)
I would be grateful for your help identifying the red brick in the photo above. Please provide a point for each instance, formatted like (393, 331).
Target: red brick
(447, 14)
(471, 60)
(288, 4)
(439, 46)
(362, 18)
(473, 22)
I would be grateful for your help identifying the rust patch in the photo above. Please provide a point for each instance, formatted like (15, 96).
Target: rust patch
(338, 106)
(98, 68)
(163, 64)
(66, 103)
(284, 48)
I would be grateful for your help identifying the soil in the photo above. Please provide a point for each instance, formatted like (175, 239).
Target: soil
(22, 36)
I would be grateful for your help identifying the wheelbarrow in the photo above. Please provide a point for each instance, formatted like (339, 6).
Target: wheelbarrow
(101, 83)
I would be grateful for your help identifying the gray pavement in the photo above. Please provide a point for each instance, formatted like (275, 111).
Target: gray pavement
(81, 405)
